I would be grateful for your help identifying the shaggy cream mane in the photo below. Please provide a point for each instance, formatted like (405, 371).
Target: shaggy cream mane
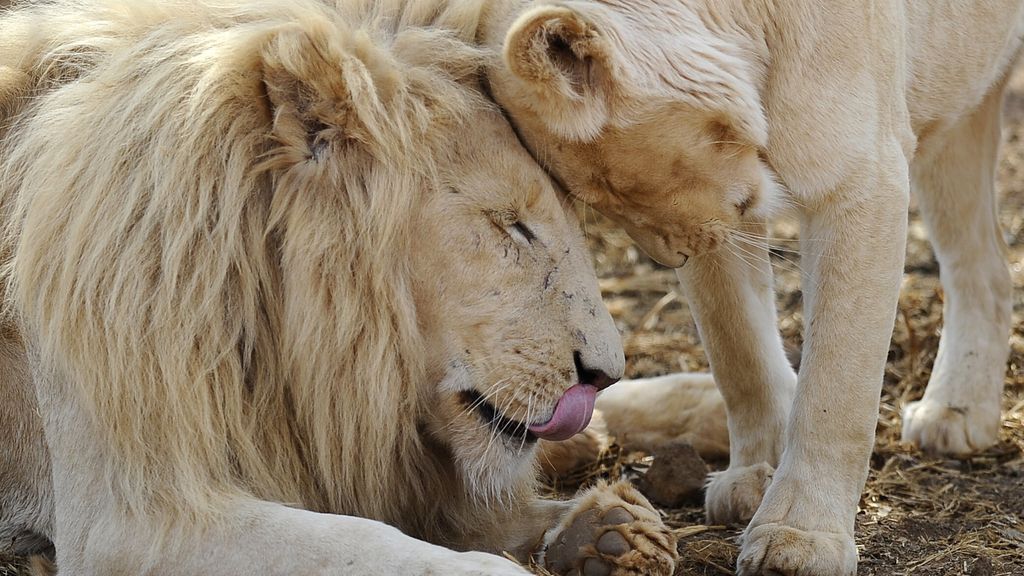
(173, 218)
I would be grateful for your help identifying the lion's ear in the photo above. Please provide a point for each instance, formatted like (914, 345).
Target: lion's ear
(566, 64)
(313, 86)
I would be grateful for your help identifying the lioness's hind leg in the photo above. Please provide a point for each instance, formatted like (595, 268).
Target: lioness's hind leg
(955, 178)
(611, 531)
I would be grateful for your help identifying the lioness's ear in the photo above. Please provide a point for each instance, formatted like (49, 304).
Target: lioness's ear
(566, 66)
(313, 86)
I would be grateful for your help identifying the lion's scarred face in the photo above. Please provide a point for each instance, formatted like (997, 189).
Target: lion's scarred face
(517, 335)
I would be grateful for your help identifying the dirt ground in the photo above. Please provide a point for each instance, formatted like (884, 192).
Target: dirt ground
(918, 515)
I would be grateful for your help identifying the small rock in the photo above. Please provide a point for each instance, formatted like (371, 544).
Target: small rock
(982, 567)
(676, 477)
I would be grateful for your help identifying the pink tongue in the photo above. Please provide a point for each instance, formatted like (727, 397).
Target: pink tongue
(572, 414)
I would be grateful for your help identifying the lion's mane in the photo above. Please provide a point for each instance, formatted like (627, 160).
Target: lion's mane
(189, 256)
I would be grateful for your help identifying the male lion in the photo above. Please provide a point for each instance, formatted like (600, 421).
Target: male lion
(690, 122)
(278, 272)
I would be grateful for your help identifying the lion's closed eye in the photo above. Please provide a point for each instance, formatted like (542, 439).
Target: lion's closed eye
(510, 223)
(521, 233)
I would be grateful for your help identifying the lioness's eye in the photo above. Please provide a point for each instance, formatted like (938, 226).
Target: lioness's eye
(521, 233)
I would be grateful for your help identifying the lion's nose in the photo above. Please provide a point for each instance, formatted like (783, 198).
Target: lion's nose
(593, 376)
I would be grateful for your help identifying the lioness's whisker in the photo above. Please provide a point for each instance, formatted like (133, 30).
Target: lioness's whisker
(755, 247)
(741, 254)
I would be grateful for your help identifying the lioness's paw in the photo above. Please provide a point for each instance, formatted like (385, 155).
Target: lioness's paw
(612, 531)
(939, 428)
(733, 495)
(780, 550)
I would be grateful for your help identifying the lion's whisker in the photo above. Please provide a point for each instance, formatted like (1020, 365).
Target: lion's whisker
(527, 420)
(501, 385)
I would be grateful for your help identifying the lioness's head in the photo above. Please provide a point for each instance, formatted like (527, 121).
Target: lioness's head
(648, 112)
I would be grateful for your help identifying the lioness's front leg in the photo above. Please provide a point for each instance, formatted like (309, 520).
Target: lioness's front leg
(731, 296)
(805, 523)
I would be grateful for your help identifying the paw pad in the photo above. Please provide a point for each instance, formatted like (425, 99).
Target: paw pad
(618, 515)
(594, 567)
(612, 543)
(613, 531)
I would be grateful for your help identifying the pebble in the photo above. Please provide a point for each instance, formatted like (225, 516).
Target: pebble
(677, 476)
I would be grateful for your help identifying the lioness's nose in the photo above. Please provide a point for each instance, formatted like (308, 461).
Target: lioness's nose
(593, 375)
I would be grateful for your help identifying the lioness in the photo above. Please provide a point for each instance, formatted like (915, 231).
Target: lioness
(690, 122)
(278, 272)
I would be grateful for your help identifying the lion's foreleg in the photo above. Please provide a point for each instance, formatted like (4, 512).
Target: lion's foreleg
(26, 500)
(239, 534)
(257, 537)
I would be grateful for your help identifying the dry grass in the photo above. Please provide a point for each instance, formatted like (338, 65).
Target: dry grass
(13, 566)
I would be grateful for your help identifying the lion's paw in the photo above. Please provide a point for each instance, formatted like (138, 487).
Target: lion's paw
(780, 550)
(939, 428)
(733, 495)
(611, 531)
